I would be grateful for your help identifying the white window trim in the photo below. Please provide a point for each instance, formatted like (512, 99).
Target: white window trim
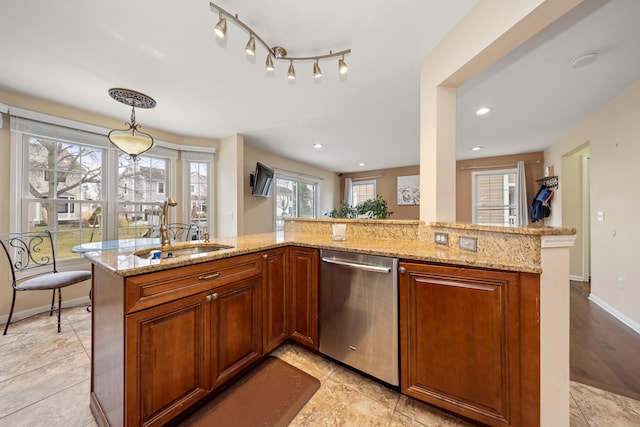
(474, 193)
(363, 182)
(294, 176)
(201, 155)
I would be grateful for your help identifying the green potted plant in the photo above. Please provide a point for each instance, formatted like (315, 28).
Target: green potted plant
(374, 208)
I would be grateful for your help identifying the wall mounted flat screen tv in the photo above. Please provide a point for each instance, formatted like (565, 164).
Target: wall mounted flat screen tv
(261, 180)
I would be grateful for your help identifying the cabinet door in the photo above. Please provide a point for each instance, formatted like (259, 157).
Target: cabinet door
(165, 360)
(459, 340)
(303, 295)
(235, 328)
(275, 298)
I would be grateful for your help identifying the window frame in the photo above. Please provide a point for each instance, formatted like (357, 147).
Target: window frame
(363, 182)
(299, 178)
(510, 222)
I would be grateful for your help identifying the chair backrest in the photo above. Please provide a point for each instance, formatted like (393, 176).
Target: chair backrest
(31, 251)
(179, 232)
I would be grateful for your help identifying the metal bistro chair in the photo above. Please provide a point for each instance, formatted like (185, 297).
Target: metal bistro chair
(32, 259)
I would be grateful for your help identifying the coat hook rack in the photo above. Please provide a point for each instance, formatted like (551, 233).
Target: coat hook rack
(549, 181)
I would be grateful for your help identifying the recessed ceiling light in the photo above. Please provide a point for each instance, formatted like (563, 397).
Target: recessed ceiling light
(361, 164)
(482, 111)
(317, 146)
(476, 148)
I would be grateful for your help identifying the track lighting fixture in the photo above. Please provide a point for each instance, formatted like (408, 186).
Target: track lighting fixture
(131, 140)
(221, 27)
(276, 52)
(292, 72)
(316, 70)
(251, 46)
(342, 66)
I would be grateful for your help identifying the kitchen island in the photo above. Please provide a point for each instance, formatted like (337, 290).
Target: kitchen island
(162, 341)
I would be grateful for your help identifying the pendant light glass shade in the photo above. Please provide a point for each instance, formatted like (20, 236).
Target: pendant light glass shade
(292, 72)
(316, 70)
(133, 144)
(221, 27)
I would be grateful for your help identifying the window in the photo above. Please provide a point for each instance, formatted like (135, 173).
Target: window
(139, 202)
(60, 181)
(361, 191)
(495, 197)
(199, 170)
(295, 197)
(66, 175)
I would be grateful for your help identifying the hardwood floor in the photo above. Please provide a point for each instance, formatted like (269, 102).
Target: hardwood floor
(604, 351)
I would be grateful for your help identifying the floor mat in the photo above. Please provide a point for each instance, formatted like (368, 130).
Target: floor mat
(270, 395)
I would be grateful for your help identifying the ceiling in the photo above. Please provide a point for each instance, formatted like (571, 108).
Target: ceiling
(73, 51)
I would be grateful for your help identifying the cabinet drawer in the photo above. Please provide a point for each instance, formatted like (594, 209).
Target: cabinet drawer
(151, 289)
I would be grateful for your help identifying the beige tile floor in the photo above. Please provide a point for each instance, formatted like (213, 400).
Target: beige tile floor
(44, 381)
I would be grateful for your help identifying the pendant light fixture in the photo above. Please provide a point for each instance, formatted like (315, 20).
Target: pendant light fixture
(276, 52)
(131, 140)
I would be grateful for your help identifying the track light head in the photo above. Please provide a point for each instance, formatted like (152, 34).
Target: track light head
(269, 64)
(317, 73)
(221, 27)
(292, 72)
(250, 48)
(342, 66)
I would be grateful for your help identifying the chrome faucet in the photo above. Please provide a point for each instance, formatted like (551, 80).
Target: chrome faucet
(164, 236)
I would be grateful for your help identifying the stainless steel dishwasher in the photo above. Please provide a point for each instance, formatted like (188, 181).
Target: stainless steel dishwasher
(359, 312)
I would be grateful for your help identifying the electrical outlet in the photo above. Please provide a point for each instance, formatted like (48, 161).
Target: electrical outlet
(468, 243)
(442, 238)
(620, 283)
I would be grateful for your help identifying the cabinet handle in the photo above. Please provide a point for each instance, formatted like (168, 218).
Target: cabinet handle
(211, 297)
(402, 270)
(210, 276)
(265, 256)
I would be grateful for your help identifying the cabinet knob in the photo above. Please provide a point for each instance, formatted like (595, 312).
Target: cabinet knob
(402, 270)
(265, 256)
(211, 297)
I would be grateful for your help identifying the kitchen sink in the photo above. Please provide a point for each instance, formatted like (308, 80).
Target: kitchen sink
(179, 251)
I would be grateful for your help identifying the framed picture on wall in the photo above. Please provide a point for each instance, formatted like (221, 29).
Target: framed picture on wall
(409, 190)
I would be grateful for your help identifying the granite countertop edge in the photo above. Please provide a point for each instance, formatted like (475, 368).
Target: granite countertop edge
(125, 263)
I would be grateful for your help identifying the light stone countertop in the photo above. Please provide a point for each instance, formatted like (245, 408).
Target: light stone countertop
(507, 253)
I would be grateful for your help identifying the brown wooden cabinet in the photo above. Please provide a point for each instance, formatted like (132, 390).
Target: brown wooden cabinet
(162, 341)
(303, 267)
(275, 321)
(235, 328)
(167, 360)
(460, 343)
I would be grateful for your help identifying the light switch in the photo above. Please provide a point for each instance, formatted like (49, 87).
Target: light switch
(600, 216)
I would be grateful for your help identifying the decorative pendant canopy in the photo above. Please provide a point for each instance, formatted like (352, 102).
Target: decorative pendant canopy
(131, 140)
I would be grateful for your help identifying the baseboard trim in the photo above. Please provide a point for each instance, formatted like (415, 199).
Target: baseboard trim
(577, 278)
(615, 313)
(20, 315)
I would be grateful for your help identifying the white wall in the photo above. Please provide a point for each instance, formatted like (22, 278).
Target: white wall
(228, 187)
(259, 212)
(613, 135)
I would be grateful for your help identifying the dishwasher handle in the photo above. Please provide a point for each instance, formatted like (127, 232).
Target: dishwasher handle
(367, 267)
